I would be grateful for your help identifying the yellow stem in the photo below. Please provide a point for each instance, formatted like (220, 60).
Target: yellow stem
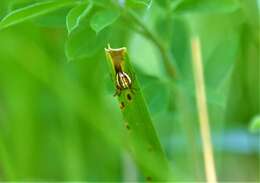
(203, 111)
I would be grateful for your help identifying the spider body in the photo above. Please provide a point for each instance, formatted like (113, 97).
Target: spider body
(123, 81)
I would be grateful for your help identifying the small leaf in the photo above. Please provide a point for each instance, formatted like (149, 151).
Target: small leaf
(255, 124)
(32, 11)
(103, 18)
(76, 14)
(84, 42)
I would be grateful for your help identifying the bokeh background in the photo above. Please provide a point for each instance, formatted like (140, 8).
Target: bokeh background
(59, 120)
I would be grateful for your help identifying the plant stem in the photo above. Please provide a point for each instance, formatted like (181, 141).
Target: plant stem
(203, 111)
(148, 34)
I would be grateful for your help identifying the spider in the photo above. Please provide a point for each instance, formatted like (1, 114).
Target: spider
(123, 81)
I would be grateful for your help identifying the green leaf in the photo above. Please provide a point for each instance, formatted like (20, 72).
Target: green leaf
(53, 19)
(103, 3)
(142, 137)
(162, 3)
(206, 6)
(32, 11)
(17, 4)
(76, 14)
(103, 18)
(157, 95)
(255, 124)
(138, 3)
(84, 43)
(167, 4)
(152, 64)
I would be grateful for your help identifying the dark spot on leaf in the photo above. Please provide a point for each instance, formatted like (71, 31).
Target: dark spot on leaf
(122, 105)
(149, 179)
(129, 97)
(127, 126)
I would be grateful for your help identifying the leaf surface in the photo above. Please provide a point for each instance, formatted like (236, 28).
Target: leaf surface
(32, 11)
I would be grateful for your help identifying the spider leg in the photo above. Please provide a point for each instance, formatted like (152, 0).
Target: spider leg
(118, 91)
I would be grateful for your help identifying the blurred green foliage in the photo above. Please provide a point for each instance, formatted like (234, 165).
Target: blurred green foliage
(59, 120)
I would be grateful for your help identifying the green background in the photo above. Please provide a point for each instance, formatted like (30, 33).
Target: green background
(59, 120)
